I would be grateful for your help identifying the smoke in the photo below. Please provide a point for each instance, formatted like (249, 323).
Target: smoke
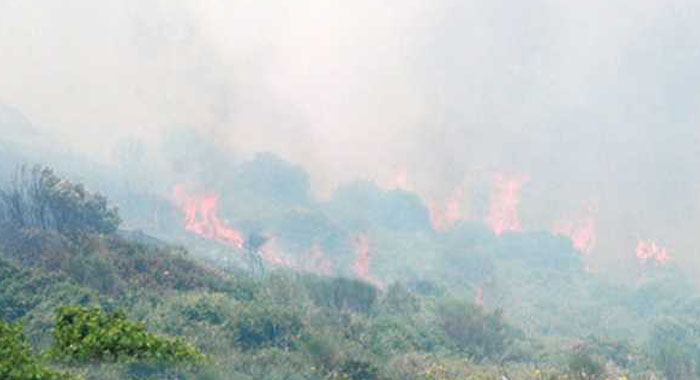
(594, 102)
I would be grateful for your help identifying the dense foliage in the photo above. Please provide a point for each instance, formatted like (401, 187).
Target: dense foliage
(38, 198)
(85, 334)
(463, 304)
(17, 361)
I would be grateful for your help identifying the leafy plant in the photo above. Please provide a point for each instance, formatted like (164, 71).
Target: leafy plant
(258, 325)
(343, 294)
(584, 367)
(675, 347)
(359, 370)
(479, 334)
(85, 334)
(38, 198)
(17, 361)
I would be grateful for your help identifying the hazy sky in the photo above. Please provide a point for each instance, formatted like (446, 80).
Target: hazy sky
(594, 102)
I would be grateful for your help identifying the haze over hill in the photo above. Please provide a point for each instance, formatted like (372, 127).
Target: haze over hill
(594, 104)
(443, 187)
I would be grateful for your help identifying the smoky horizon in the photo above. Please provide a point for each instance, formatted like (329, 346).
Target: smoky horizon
(582, 119)
(350, 190)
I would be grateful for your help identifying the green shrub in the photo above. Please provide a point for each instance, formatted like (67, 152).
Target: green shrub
(583, 367)
(343, 294)
(675, 348)
(324, 349)
(94, 271)
(85, 334)
(204, 309)
(38, 198)
(258, 325)
(477, 333)
(398, 300)
(16, 359)
(425, 288)
(359, 370)
(395, 334)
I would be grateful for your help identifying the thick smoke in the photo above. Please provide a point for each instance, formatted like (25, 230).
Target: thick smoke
(594, 105)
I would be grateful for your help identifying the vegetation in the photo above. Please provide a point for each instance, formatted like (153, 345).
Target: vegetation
(39, 199)
(85, 334)
(478, 334)
(583, 367)
(259, 325)
(107, 305)
(16, 360)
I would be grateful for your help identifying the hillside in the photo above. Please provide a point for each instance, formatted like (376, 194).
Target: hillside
(520, 304)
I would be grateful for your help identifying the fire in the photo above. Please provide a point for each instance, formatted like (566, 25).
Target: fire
(401, 179)
(273, 254)
(362, 260)
(649, 250)
(503, 206)
(361, 265)
(318, 262)
(201, 217)
(444, 216)
(582, 233)
(479, 297)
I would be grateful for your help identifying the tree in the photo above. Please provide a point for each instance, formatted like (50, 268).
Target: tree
(40, 199)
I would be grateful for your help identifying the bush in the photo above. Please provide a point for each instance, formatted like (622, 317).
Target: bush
(206, 309)
(324, 349)
(479, 334)
(259, 325)
(85, 334)
(17, 361)
(675, 348)
(398, 300)
(38, 198)
(94, 271)
(393, 335)
(343, 294)
(583, 367)
(359, 370)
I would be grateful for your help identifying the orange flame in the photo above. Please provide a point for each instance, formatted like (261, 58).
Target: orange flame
(582, 233)
(479, 297)
(401, 179)
(442, 217)
(503, 206)
(318, 262)
(201, 217)
(273, 254)
(649, 250)
(362, 261)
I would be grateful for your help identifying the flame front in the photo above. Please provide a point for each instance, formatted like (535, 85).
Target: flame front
(479, 297)
(444, 216)
(361, 265)
(318, 262)
(649, 250)
(201, 217)
(503, 207)
(582, 232)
